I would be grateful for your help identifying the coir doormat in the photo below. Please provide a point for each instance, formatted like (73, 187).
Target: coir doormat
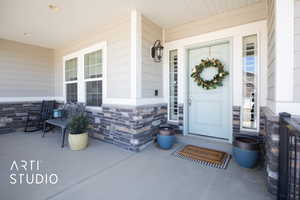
(204, 156)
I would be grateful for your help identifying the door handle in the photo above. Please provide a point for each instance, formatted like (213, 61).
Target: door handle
(190, 101)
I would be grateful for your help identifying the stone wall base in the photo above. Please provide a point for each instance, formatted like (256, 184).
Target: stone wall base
(271, 149)
(13, 115)
(132, 128)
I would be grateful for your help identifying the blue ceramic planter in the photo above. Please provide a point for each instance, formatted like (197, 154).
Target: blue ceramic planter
(165, 141)
(245, 158)
(246, 151)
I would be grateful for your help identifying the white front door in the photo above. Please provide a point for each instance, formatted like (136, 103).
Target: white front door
(209, 110)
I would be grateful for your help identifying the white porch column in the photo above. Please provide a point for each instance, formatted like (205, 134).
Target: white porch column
(136, 55)
(284, 55)
(284, 50)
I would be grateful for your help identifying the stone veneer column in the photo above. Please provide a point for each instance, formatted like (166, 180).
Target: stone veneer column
(272, 149)
(132, 128)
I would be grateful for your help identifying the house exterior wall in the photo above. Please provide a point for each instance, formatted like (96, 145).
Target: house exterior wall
(26, 71)
(152, 73)
(297, 51)
(228, 19)
(271, 50)
(117, 37)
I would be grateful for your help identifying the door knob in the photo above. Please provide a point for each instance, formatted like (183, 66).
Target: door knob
(190, 101)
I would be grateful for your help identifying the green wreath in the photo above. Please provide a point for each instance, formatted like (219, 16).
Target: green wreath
(217, 79)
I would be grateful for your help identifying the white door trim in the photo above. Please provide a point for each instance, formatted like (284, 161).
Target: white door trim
(187, 88)
(237, 32)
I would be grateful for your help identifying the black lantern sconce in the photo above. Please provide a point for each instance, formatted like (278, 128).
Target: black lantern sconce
(157, 51)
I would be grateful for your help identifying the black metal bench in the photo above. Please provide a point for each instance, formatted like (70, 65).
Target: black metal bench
(61, 123)
(68, 112)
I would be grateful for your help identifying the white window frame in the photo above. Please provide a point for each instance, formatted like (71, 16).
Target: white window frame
(168, 90)
(258, 96)
(81, 81)
(69, 82)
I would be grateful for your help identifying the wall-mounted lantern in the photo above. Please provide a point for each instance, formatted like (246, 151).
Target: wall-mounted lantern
(157, 51)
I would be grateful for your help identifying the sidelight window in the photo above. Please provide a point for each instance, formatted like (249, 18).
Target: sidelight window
(249, 108)
(173, 85)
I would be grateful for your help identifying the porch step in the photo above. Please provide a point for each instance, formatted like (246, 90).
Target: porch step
(205, 142)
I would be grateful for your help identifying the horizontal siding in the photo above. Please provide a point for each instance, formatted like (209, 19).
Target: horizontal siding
(271, 72)
(235, 17)
(117, 36)
(26, 70)
(297, 52)
(152, 72)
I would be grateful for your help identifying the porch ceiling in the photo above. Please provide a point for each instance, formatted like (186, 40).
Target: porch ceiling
(76, 18)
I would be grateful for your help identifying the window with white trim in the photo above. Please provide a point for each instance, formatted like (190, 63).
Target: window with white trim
(250, 89)
(173, 86)
(94, 93)
(93, 78)
(71, 80)
(93, 65)
(84, 75)
(71, 89)
(71, 70)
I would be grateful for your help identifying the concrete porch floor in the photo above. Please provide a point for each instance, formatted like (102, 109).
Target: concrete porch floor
(104, 171)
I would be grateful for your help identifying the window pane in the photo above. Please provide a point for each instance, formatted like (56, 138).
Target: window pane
(249, 107)
(71, 70)
(94, 93)
(173, 86)
(71, 92)
(93, 65)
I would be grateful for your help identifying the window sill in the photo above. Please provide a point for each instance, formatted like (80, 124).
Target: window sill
(173, 122)
(94, 108)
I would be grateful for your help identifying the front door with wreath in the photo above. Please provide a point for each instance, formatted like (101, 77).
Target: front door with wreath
(209, 90)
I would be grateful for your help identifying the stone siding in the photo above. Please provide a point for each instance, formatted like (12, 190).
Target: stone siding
(180, 116)
(132, 128)
(236, 120)
(272, 138)
(13, 115)
(271, 133)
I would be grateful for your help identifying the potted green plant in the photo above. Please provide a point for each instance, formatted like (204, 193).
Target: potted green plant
(78, 137)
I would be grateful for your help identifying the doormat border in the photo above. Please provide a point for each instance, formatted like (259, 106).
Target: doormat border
(201, 162)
